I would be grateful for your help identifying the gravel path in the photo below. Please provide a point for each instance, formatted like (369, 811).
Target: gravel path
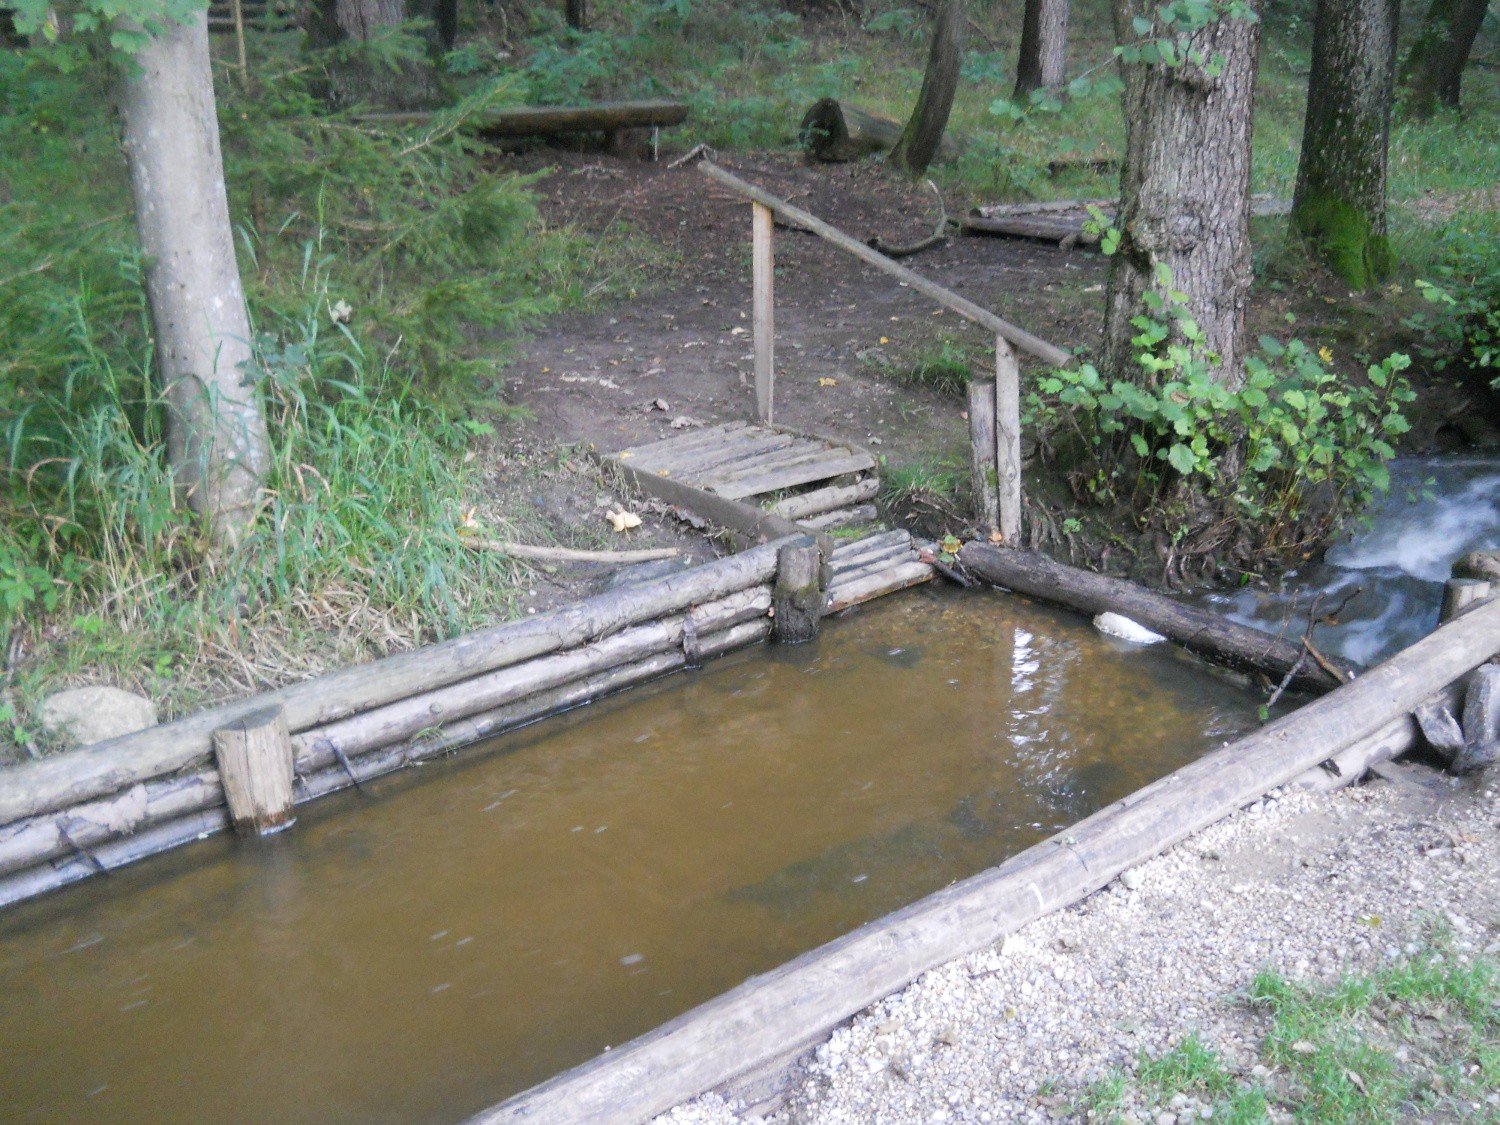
(1310, 885)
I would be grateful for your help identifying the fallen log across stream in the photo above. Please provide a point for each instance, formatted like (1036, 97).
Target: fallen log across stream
(1198, 630)
(770, 1018)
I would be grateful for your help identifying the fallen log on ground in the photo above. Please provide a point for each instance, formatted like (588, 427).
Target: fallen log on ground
(549, 120)
(1198, 630)
(835, 132)
(109, 767)
(793, 1006)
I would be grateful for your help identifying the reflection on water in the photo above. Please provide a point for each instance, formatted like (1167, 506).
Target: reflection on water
(478, 925)
(1437, 510)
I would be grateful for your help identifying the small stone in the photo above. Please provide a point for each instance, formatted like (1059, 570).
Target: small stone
(87, 715)
(1131, 880)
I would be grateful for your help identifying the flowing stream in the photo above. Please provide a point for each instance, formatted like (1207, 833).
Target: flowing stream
(1397, 557)
(472, 927)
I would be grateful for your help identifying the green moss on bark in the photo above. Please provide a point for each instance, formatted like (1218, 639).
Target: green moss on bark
(1345, 238)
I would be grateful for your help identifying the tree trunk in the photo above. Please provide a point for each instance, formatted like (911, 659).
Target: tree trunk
(576, 12)
(924, 132)
(356, 78)
(1434, 68)
(216, 435)
(1042, 60)
(1185, 192)
(1339, 202)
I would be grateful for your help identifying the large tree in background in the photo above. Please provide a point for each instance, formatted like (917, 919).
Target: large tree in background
(216, 433)
(1434, 69)
(1185, 183)
(1339, 202)
(1042, 60)
(929, 120)
(380, 76)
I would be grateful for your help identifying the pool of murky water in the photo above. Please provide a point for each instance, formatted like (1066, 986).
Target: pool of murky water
(470, 928)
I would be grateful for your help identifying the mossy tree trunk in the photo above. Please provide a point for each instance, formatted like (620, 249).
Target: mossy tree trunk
(1339, 202)
(1185, 191)
(376, 76)
(924, 131)
(1042, 61)
(216, 433)
(1434, 68)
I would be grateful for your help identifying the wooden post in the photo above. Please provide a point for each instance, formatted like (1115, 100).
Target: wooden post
(239, 42)
(982, 449)
(797, 600)
(1008, 440)
(1461, 595)
(255, 764)
(764, 312)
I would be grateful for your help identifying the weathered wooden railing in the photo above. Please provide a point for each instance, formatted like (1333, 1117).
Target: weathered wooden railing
(994, 410)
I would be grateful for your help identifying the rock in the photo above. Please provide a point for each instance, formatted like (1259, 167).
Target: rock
(1131, 880)
(1484, 565)
(1114, 625)
(91, 714)
(1481, 723)
(1440, 728)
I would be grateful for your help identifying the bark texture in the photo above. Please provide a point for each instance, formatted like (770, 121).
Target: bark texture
(1434, 68)
(576, 13)
(923, 134)
(1185, 191)
(1339, 202)
(359, 79)
(217, 440)
(1042, 61)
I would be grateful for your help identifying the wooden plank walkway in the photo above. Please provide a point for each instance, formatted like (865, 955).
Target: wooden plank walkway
(800, 478)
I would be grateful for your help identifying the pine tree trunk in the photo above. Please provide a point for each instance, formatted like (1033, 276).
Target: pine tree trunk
(924, 131)
(358, 80)
(1434, 68)
(1042, 61)
(1185, 191)
(1339, 202)
(216, 434)
(576, 13)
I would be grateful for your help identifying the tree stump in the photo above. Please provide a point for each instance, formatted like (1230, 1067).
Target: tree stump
(255, 767)
(797, 600)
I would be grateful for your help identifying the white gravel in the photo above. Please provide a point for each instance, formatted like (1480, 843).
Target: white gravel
(1310, 885)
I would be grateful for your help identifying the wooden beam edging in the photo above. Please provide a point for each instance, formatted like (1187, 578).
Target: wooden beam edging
(1032, 345)
(72, 778)
(760, 1020)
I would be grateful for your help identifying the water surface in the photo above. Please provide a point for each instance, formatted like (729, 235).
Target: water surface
(474, 926)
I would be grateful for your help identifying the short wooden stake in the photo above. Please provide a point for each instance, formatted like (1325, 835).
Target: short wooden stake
(798, 596)
(1461, 595)
(763, 271)
(255, 767)
(982, 453)
(1008, 440)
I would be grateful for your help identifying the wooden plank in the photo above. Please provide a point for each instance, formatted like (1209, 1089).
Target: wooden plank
(1008, 441)
(769, 1014)
(107, 767)
(825, 469)
(845, 595)
(764, 311)
(1199, 630)
(826, 499)
(690, 440)
(802, 453)
(1032, 345)
(982, 472)
(734, 448)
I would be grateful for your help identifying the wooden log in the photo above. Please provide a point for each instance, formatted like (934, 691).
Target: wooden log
(114, 765)
(843, 595)
(800, 1001)
(881, 541)
(885, 564)
(567, 554)
(548, 121)
(841, 517)
(983, 475)
(1008, 441)
(254, 754)
(1198, 630)
(1032, 345)
(1059, 230)
(834, 132)
(1461, 595)
(826, 499)
(406, 718)
(797, 599)
(692, 463)
(763, 269)
(1350, 764)
(706, 437)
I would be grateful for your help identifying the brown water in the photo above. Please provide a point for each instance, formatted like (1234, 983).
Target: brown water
(475, 926)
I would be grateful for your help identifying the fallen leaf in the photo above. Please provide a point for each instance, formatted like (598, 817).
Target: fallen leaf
(1303, 1047)
(622, 520)
(1359, 1083)
(885, 339)
(682, 422)
(828, 382)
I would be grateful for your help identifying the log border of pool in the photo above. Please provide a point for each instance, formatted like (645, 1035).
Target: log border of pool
(744, 1043)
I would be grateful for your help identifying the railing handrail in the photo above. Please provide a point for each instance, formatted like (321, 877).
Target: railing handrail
(1033, 345)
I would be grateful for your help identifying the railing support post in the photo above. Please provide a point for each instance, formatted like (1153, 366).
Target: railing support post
(1008, 440)
(764, 313)
(982, 448)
